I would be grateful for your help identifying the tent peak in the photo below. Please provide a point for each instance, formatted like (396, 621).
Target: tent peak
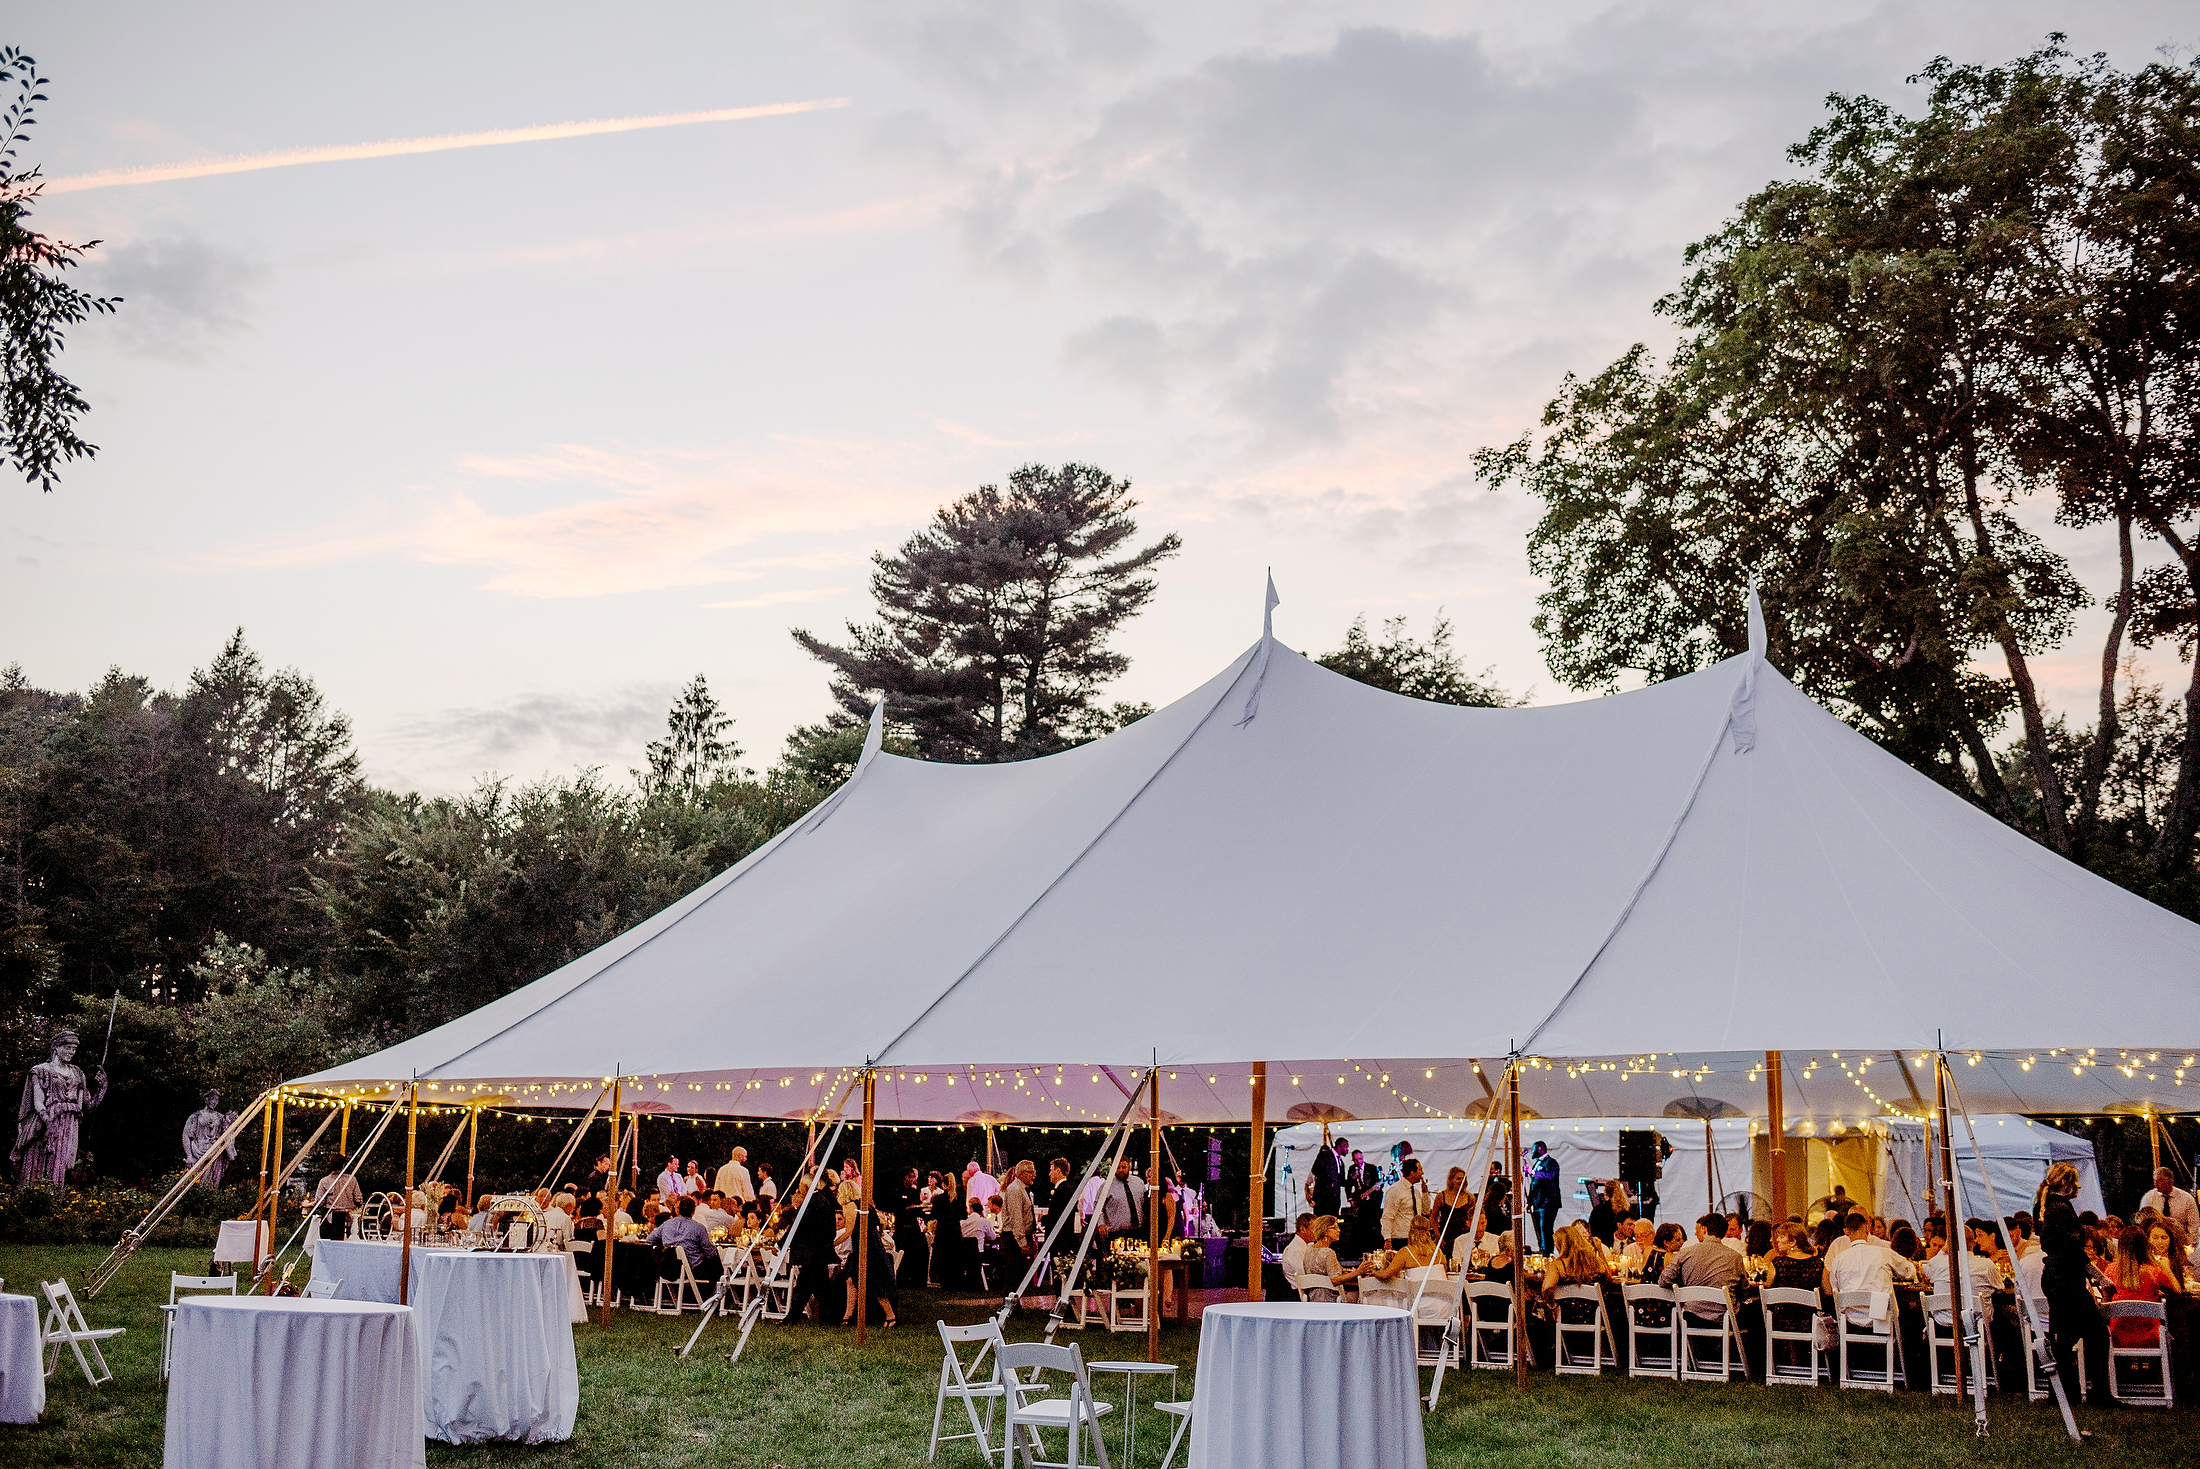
(1268, 609)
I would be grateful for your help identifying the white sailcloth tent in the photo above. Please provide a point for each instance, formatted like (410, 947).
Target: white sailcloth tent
(1644, 893)
(2018, 1152)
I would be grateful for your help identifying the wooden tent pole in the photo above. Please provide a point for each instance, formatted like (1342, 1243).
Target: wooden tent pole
(275, 1179)
(1776, 1115)
(412, 1142)
(343, 1132)
(1957, 1246)
(473, 1142)
(863, 1206)
(1256, 1213)
(1519, 1217)
(611, 1204)
(2154, 1138)
(1153, 1217)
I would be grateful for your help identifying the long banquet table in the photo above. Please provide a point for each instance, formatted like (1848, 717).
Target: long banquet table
(496, 1334)
(276, 1382)
(1285, 1385)
(22, 1372)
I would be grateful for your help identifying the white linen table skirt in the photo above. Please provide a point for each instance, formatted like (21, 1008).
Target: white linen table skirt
(22, 1373)
(496, 1335)
(281, 1382)
(1287, 1385)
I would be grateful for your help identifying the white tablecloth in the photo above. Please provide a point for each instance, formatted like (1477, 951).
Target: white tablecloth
(496, 1335)
(1283, 1384)
(22, 1373)
(279, 1382)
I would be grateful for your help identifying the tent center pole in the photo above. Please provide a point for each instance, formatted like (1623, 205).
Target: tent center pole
(412, 1141)
(1952, 1240)
(863, 1207)
(343, 1132)
(1520, 1218)
(473, 1143)
(1256, 1209)
(1776, 1115)
(1153, 1214)
(611, 1205)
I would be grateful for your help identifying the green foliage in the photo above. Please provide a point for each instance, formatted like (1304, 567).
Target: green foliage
(1429, 670)
(39, 407)
(97, 1214)
(1884, 365)
(258, 1024)
(994, 620)
(694, 751)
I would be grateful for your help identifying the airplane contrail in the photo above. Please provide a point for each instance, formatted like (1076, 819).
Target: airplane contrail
(291, 157)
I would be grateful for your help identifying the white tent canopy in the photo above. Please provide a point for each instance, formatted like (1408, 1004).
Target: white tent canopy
(1286, 863)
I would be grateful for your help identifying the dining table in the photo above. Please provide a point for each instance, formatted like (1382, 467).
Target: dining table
(1295, 1385)
(22, 1370)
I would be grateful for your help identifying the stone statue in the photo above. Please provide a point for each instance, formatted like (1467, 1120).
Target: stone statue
(55, 1100)
(201, 1130)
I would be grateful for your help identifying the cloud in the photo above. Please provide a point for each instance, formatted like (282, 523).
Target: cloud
(446, 750)
(179, 296)
(1002, 53)
(774, 599)
(397, 147)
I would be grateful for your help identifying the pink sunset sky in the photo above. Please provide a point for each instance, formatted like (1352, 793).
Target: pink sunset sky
(503, 443)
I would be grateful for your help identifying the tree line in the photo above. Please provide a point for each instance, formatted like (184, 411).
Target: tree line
(1892, 373)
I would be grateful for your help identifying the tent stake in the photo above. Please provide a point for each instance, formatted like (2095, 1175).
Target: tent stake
(1777, 1115)
(1256, 1216)
(1153, 1216)
(863, 1206)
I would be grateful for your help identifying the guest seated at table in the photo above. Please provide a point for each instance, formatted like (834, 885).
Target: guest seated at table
(1638, 1237)
(1418, 1252)
(1903, 1241)
(1603, 1217)
(652, 1213)
(1980, 1279)
(1710, 1261)
(1321, 1260)
(557, 1220)
(1665, 1242)
(682, 1232)
(1825, 1234)
(1864, 1265)
(623, 1217)
(460, 1220)
(1794, 1266)
(1577, 1260)
(1494, 1257)
(1293, 1256)
(1757, 1245)
(711, 1211)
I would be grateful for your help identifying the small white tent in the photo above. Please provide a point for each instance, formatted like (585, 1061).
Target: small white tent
(2018, 1152)
(1646, 892)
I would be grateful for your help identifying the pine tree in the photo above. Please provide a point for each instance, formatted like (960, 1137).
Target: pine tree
(695, 750)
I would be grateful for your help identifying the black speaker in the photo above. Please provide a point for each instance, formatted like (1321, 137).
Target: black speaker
(1638, 1154)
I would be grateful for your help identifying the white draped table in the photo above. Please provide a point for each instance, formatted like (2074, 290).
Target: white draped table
(496, 1335)
(1286, 1385)
(22, 1373)
(278, 1382)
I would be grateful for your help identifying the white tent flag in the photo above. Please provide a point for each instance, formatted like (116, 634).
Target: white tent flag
(1437, 883)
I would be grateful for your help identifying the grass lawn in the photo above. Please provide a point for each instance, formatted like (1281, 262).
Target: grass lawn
(805, 1397)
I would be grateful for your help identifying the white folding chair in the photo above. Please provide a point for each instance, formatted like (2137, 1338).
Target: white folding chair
(2035, 1382)
(967, 1382)
(1940, 1335)
(1883, 1337)
(209, 1285)
(1306, 1285)
(1807, 1367)
(1127, 1309)
(589, 1284)
(779, 1295)
(1436, 1309)
(66, 1327)
(686, 1289)
(325, 1289)
(1077, 1415)
(2158, 1393)
(1596, 1331)
(1698, 1332)
(1653, 1322)
(1182, 1413)
(1492, 1335)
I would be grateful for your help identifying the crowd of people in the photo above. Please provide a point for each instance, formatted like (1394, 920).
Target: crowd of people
(2070, 1261)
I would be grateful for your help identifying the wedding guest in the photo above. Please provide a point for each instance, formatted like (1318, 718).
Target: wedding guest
(733, 1179)
(1418, 1252)
(1710, 1261)
(767, 1187)
(1453, 1210)
(1404, 1202)
(1321, 1260)
(671, 1183)
(1295, 1250)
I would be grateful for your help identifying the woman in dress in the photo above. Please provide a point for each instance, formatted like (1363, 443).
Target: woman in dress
(1453, 1210)
(2074, 1321)
(948, 1268)
(907, 1207)
(1321, 1259)
(1418, 1252)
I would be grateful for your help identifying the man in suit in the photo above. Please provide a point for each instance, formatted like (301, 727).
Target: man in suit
(1363, 1192)
(811, 1253)
(1325, 1180)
